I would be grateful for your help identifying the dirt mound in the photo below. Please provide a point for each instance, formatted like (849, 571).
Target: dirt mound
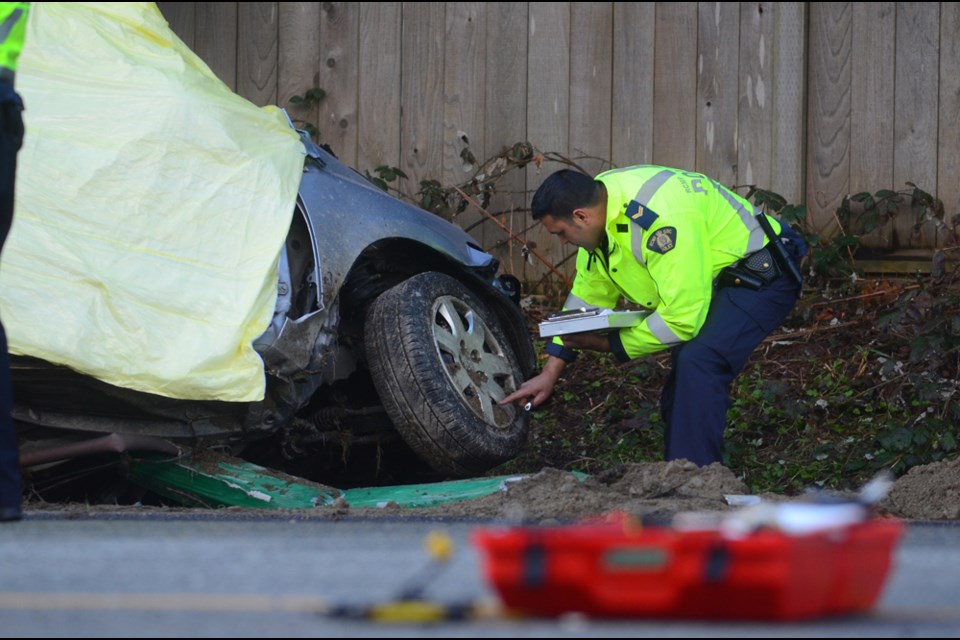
(927, 492)
(660, 490)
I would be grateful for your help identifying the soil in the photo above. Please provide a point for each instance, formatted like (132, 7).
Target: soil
(661, 490)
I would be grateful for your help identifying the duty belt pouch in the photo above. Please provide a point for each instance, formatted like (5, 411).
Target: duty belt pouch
(762, 263)
(753, 271)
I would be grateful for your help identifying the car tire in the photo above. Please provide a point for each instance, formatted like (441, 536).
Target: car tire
(441, 363)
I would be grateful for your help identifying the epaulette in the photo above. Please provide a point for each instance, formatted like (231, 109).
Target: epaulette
(643, 216)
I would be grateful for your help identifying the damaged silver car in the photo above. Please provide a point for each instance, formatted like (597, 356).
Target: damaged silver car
(393, 339)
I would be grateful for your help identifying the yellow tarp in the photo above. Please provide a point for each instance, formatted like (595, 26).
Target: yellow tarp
(152, 205)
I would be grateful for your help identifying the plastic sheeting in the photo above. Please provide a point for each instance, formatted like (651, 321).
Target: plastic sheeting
(152, 206)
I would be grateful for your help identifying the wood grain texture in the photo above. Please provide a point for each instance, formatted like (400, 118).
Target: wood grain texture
(718, 100)
(464, 90)
(788, 137)
(948, 162)
(755, 118)
(505, 97)
(674, 95)
(828, 161)
(216, 39)
(591, 79)
(298, 58)
(378, 108)
(464, 116)
(915, 121)
(339, 73)
(872, 106)
(421, 91)
(548, 114)
(632, 88)
(257, 33)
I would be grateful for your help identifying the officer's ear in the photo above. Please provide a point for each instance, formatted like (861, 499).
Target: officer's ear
(581, 216)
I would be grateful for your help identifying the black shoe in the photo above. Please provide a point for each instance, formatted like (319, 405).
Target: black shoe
(10, 514)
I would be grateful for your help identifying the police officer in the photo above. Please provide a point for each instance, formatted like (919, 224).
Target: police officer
(698, 257)
(13, 19)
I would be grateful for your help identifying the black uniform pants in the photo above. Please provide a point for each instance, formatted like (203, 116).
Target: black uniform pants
(696, 397)
(11, 137)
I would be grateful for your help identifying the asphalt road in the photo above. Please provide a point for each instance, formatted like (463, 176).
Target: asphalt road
(235, 575)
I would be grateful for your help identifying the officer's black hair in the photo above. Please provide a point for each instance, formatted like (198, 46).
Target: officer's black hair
(562, 192)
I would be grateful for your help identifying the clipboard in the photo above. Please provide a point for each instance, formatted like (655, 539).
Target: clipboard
(589, 319)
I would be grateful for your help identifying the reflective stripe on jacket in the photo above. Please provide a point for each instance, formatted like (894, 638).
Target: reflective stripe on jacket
(669, 233)
(13, 21)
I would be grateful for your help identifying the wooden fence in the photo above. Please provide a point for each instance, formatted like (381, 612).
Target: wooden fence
(811, 100)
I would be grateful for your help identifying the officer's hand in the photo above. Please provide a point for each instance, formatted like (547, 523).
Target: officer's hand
(535, 391)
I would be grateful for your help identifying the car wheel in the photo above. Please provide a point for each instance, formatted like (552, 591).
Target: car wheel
(441, 364)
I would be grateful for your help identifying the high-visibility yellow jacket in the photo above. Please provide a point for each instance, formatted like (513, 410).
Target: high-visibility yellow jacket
(13, 28)
(669, 233)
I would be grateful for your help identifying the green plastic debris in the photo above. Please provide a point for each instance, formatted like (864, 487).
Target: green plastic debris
(242, 484)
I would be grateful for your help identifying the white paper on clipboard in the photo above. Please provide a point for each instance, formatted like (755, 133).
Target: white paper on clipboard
(595, 319)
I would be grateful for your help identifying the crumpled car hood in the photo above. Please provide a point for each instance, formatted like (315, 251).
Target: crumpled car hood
(152, 206)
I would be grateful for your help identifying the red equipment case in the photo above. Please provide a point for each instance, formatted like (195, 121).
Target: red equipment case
(617, 568)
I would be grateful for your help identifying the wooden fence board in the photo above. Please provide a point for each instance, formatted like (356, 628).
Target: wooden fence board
(675, 99)
(915, 121)
(948, 179)
(339, 73)
(298, 58)
(421, 91)
(378, 108)
(755, 124)
(872, 102)
(506, 106)
(788, 138)
(548, 113)
(591, 69)
(464, 88)
(632, 89)
(718, 71)
(828, 161)
(257, 33)
(216, 40)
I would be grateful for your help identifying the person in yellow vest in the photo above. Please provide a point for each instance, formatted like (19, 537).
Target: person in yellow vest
(13, 19)
(716, 274)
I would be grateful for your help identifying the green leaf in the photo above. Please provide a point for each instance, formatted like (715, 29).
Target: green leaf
(774, 201)
(898, 440)
(948, 442)
(793, 213)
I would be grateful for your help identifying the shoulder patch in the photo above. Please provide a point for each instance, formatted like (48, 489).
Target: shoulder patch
(643, 216)
(662, 240)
